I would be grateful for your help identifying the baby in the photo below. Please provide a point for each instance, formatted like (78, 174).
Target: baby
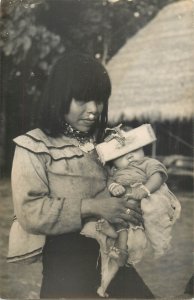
(143, 180)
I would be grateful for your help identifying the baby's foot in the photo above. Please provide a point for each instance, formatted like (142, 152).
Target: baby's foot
(120, 255)
(114, 253)
(102, 293)
(104, 227)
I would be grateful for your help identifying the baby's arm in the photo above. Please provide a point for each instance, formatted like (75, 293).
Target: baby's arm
(156, 175)
(141, 191)
(154, 182)
(116, 189)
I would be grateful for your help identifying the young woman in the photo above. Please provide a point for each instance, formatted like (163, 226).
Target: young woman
(58, 182)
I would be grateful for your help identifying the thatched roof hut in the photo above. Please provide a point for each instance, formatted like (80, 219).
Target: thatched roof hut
(153, 73)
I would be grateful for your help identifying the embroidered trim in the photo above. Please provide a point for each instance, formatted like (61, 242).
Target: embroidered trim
(51, 156)
(49, 147)
(36, 145)
(31, 254)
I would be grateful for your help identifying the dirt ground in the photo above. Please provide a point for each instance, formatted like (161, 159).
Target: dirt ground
(166, 277)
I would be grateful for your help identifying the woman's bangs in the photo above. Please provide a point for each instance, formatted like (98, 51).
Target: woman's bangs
(91, 88)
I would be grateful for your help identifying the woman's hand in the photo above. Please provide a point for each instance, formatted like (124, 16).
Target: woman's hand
(114, 210)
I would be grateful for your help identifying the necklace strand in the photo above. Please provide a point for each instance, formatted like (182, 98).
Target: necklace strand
(82, 137)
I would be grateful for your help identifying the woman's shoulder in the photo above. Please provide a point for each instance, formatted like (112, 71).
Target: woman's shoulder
(38, 142)
(38, 136)
(35, 134)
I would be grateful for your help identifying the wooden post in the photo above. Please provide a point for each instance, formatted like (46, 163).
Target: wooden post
(154, 149)
(154, 143)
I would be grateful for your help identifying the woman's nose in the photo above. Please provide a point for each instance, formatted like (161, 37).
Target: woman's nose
(92, 107)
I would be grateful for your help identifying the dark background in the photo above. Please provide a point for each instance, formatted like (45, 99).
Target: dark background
(34, 34)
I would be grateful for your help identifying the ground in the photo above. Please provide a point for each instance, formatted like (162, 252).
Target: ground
(166, 277)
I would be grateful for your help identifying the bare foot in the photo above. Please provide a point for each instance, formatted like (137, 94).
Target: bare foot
(106, 228)
(120, 255)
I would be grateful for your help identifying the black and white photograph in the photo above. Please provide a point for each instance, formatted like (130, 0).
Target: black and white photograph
(96, 149)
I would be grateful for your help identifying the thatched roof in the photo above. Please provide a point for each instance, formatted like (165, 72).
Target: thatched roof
(153, 73)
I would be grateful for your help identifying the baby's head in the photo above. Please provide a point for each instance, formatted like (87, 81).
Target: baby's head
(124, 145)
(125, 160)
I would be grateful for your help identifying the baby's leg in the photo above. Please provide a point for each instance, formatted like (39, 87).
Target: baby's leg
(121, 241)
(106, 228)
(119, 250)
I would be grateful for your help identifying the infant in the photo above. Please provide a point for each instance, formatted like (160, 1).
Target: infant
(142, 179)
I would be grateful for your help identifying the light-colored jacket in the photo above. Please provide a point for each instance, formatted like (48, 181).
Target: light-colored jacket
(50, 177)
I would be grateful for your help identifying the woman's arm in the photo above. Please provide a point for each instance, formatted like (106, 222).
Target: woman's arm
(39, 213)
(35, 209)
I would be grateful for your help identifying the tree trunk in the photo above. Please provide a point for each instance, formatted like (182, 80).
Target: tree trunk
(105, 51)
(2, 119)
(2, 142)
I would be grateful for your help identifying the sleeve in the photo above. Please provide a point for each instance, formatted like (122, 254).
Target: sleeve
(36, 211)
(154, 166)
(110, 179)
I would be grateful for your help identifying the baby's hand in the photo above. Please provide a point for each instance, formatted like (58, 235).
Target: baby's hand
(137, 193)
(116, 189)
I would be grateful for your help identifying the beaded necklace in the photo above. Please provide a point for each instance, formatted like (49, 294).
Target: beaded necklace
(85, 139)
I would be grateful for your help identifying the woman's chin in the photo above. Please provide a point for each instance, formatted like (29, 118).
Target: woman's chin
(86, 126)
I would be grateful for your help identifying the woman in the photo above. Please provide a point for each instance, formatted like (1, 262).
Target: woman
(58, 182)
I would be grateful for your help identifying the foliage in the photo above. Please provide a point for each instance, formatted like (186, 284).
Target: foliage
(24, 40)
(35, 33)
(93, 26)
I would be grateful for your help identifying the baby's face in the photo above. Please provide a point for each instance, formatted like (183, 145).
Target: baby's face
(124, 161)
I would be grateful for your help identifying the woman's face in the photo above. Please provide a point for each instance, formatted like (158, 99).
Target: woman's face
(83, 115)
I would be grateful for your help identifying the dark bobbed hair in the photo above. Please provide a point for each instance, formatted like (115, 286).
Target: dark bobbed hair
(77, 76)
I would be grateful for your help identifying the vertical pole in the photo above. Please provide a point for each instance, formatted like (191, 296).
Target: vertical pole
(153, 149)
(154, 143)
(2, 116)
